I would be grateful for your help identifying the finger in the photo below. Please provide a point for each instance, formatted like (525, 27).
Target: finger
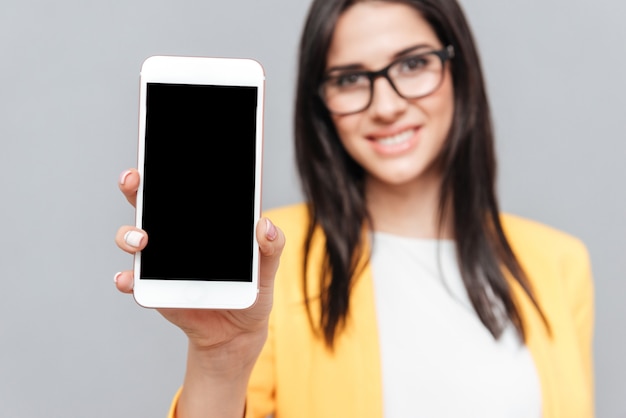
(124, 281)
(128, 183)
(131, 239)
(271, 243)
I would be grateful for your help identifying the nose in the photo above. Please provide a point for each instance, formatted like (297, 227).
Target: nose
(386, 102)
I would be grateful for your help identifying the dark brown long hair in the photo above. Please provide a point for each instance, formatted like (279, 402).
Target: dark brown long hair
(333, 183)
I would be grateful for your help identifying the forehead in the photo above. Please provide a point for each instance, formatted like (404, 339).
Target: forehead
(370, 33)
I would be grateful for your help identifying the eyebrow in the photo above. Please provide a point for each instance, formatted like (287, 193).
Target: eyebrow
(395, 56)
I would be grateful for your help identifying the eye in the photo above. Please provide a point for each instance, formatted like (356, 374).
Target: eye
(348, 80)
(414, 63)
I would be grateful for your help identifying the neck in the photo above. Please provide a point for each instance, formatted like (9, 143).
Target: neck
(410, 210)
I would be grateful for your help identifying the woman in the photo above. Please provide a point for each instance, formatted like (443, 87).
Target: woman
(402, 290)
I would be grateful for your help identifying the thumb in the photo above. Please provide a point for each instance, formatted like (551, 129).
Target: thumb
(271, 243)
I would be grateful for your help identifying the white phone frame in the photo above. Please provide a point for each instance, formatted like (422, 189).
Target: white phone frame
(194, 294)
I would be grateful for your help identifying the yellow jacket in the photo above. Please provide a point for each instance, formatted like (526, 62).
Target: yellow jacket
(296, 376)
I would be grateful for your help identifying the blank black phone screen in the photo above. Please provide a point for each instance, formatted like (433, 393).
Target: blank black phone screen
(198, 182)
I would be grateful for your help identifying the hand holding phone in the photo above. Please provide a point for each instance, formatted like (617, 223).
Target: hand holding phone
(223, 339)
(201, 118)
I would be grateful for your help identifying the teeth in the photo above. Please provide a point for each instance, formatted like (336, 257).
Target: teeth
(396, 139)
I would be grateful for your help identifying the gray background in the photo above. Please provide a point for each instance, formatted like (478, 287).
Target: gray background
(72, 346)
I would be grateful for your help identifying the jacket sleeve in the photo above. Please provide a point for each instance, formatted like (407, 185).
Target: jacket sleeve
(580, 296)
(172, 411)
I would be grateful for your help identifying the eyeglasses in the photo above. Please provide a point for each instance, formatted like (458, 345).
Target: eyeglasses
(411, 76)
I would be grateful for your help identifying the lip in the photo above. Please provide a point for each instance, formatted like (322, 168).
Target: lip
(395, 142)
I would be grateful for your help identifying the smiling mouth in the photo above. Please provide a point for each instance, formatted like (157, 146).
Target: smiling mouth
(397, 138)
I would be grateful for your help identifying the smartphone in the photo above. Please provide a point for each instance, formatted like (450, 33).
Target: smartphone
(199, 197)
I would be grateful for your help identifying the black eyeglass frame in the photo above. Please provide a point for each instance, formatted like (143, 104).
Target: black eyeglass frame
(444, 55)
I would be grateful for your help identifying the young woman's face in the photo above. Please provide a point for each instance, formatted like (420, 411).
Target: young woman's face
(395, 140)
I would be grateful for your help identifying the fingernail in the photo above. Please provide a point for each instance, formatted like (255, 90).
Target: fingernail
(123, 177)
(117, 276)
(270, 230)
(133, 238)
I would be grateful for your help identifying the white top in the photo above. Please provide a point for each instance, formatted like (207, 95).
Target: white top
(438, 359)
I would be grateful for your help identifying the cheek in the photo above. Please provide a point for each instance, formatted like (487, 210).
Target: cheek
(447, 113)
(442, 110)
(347, 128)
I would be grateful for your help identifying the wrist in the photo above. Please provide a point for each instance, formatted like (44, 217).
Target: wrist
(230, 358)
(217, 377)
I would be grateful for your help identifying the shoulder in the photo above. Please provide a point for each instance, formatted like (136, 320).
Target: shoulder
(530, 237)
(557, 263)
